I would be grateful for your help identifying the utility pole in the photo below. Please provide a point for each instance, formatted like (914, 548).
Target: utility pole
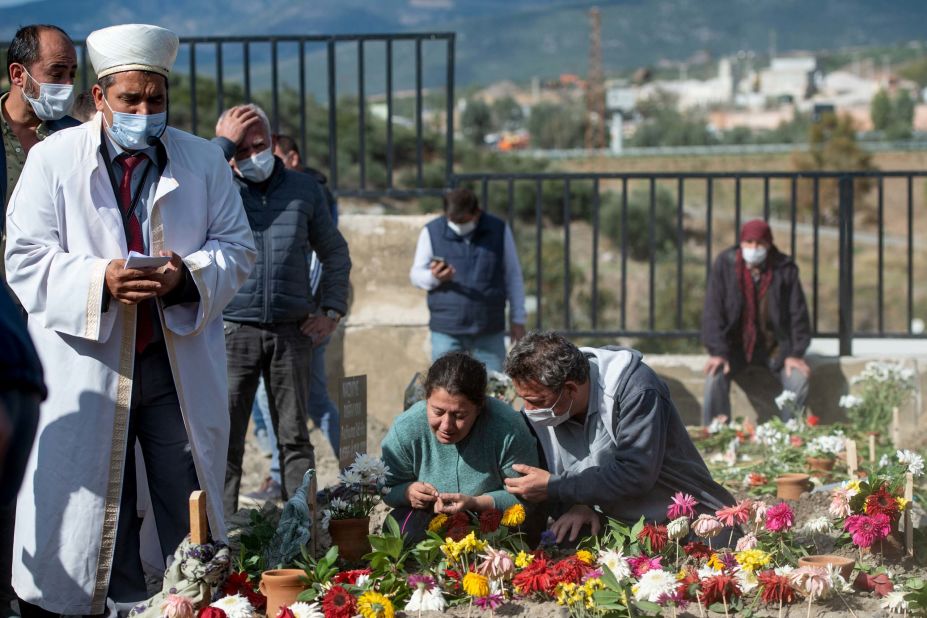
(595, 85)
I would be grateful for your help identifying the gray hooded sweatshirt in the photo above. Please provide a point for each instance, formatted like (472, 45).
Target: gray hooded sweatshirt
(632, 452)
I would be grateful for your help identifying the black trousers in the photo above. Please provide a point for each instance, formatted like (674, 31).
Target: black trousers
(283, 355)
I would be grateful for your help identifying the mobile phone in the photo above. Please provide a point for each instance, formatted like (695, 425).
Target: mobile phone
(437, 259)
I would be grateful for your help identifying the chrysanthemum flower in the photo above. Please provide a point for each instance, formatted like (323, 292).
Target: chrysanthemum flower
(513, 516)
(615, 562)
(707, 526)
(812, 582)
(779, 518)
(338, 603)
(653, 585)
(306, 610)
(476, 585)
(176, 606)
(656, 535)
(775, 588)
(437, 523)
(235, 606)
(374, 605)
(683, 505)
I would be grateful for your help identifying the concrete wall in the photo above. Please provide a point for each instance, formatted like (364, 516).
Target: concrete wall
(386, 337)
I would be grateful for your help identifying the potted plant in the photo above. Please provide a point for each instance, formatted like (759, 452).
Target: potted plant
(347, 517)
(823, 451)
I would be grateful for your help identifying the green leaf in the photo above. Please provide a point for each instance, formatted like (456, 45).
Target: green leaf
(647, 606)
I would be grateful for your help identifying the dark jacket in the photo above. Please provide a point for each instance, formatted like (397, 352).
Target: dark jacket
(289, 217)
(20, 368)
(788, 312)
(473, 302)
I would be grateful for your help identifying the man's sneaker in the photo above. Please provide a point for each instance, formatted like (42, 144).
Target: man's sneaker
(270, 490)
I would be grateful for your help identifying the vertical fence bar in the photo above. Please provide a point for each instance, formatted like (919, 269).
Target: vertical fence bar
(910, 253)
(881, 259)
(361, 113)
(596, 204)
(793, 199)
(624, 253)
(566, 254)
(510, 204)
(652, 238)
(193, 114)
(304, 147)
(737, 210)
(539, 237)
(766, 198)
(419, 154)
(680, 245)
(484, 194)
(332, 114)
(274, 87)
(709, 198)
(845, 331)
(246, 53)
(220, 90)
(389, 113)
(815, 218)
(449, 139)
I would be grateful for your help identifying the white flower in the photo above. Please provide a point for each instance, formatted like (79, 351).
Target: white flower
(235, 606)
(678, 528)
(717, 424)
(830, 445)
(372, 469)
(911, 459)
(653, 585)
(836, 579)
(362, 580)
(706, 571)
(746, 579)
(307, 610)
(337, 504)
(351, 477)
(793, 425)
(783, 570)
(424, 600)
(786, 398)
(884, 461)
(819, 525)
(615, 562)
(768, 435)
(849, 401)
(895, 602)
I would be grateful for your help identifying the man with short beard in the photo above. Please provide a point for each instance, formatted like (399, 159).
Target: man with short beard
(133, 353)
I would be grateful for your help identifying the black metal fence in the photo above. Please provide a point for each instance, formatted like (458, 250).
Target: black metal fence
(629, 254)
(338, 76)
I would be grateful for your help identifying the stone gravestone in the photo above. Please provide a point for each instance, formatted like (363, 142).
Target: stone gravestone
(352, 407)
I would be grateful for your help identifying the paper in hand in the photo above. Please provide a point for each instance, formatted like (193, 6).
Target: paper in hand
(140, 260)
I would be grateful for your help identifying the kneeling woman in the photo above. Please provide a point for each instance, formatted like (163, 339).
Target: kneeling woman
(452, 452)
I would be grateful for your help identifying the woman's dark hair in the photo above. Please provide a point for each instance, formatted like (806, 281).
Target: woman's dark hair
(459, 374)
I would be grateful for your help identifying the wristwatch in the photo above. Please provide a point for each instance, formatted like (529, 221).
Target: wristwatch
(331, 314)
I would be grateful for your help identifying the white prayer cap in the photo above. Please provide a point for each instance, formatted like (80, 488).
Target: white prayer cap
(132, 47)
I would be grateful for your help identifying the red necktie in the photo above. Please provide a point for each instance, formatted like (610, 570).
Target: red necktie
(144, 329)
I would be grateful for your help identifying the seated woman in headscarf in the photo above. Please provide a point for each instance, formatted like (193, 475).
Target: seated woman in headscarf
(452, 451)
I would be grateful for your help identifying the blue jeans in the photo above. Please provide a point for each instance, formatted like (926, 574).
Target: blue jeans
(322, 411)
(489, 349)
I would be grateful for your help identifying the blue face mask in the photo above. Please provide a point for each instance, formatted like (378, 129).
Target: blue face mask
(131, 131)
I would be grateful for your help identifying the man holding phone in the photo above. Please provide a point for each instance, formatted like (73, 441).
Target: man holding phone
(466, 260)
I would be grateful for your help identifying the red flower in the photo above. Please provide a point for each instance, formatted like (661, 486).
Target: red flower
(685, 587)
(534, 578)
(656, 535)
(453, 580)
(776, 588)
(338, 603)
(458, 532)
(879, 584)
(240, 583)
(211, 612)
(812, 420)
(718, 587)
(697, 550)
(460, 518)
(796, 440)
(881, 501)
(285, 612)
(756, 479)
(350, 577)
(489, 520)
(779, 518)
(569, 570)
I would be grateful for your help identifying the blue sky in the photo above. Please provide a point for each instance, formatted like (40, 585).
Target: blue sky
(6, 3)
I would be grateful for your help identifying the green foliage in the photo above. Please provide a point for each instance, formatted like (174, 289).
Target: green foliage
(665, 125)
(252, 543)
(318, 573)
(638, 221)
(476, 121)
(388, 558)
(880, 388)
(507, 114)
(554, 126)
(880, 110)
(893, 116)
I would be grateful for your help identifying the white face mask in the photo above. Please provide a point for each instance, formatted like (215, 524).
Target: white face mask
(54, 100)
(755, 256)
(462, 229)
(258, 167)
(132, 131)
(546, 417)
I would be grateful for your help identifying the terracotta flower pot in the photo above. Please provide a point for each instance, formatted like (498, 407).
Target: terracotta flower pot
(792, 485)
(350, 535)
(844, 564)
(821, 464)
(281, 587)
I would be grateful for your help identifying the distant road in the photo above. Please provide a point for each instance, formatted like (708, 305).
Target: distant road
(699, 151)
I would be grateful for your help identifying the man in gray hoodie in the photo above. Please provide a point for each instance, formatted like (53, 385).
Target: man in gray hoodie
(612, 439)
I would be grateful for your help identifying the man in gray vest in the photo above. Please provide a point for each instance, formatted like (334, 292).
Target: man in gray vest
(466, 260)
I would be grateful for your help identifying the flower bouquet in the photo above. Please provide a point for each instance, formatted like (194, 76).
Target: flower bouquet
(347, 517)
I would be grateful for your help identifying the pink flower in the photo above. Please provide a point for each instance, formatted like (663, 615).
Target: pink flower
(779, 518)
(497, 563)
(747, 541)
(683, 506)
(707, 526)
(867, 529)
(641, 564)
(737, 514)
(177, 606)
(759, 511)
(839, 503)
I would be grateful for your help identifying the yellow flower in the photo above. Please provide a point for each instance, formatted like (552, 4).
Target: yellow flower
(374, 605)
(451, 549)
(715, 563)
(752, 559)
(564, 593)
(476, 585)
(853, 486)
(471, 543)
(513, 516)
(585, 556)
(592, 584)
(522, 559)
(902, 503)
(437, 523)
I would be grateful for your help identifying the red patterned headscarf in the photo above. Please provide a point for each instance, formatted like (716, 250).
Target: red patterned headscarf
(755, 230)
